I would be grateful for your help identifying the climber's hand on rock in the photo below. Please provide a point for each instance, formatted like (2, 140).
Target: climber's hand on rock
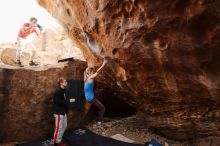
(83, 34)
(105, 60)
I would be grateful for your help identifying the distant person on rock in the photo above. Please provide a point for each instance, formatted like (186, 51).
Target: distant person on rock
(60, 110)
(89, 76)
(22, 39)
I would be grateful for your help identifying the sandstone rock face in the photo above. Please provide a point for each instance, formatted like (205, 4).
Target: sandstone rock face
(164, 53)
(26, 101)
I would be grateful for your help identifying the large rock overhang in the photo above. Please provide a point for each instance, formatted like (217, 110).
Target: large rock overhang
(163, 53)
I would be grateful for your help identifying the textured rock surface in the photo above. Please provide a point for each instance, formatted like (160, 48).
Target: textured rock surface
(26, 101)
(165, 53)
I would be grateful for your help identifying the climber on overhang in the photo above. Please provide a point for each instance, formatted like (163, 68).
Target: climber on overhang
(22, 39)
(89, 83)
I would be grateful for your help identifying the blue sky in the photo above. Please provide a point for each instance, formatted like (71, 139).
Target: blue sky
(13, 13)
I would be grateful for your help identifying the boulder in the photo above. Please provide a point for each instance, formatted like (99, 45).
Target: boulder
(26, 99)
(164, 53)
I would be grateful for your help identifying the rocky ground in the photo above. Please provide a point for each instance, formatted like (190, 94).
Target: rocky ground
(132, 128)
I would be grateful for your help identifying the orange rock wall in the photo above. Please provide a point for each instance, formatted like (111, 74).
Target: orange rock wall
(165, 53)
